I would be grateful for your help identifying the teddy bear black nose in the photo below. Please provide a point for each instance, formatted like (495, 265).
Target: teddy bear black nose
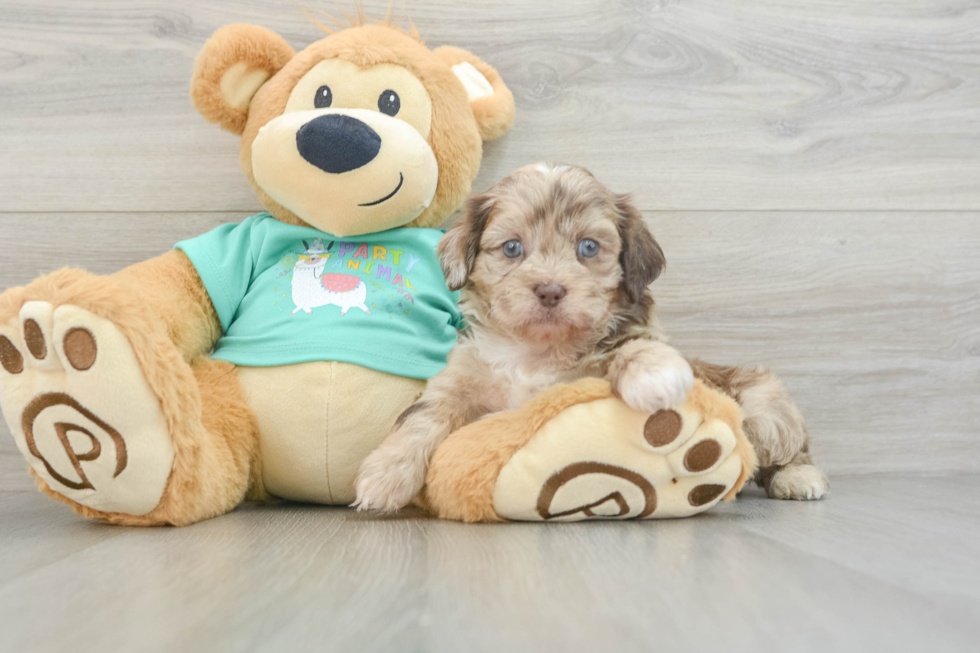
(337, 143)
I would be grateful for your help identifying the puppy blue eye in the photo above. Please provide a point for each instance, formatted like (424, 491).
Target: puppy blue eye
(587, 248)
(513, 249)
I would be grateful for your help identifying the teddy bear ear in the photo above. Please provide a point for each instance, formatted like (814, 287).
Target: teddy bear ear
(232, 65)
(491, 100)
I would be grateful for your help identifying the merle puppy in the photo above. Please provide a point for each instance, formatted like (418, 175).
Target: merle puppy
(554, 270)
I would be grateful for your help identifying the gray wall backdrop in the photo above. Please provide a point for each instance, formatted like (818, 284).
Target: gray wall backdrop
(812, 171)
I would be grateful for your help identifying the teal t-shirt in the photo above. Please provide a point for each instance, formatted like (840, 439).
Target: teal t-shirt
(287, 294)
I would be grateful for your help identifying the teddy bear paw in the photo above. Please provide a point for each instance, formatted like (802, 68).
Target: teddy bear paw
(605, 460)
(80, 409)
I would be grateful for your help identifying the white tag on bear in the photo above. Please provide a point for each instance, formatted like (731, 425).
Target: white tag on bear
(473, 80)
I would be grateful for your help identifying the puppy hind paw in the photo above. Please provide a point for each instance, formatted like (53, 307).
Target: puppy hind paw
(798, 482)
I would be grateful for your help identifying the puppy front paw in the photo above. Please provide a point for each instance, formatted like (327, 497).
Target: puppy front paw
(388, 481)
(651, 377)
(652, 390)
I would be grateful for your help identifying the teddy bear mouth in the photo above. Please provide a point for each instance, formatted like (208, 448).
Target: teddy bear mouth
(401, 180)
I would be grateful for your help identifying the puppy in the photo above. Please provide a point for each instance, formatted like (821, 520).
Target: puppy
(554, 271)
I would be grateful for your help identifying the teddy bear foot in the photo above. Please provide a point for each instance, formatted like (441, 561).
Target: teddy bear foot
(81, 411)
(577, 452)
(603, 460)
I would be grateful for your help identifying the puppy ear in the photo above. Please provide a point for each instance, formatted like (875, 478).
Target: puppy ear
(231, 67)
(460, 246)
(641, 256)
(491, 100)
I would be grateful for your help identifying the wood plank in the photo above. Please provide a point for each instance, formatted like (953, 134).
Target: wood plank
(707, 104)
(827, 532)
(38, 532)
(846, 574)
(14, 476)
(872, 320)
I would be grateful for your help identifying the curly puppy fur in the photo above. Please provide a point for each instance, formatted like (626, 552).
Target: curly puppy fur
(519, 342)
(546, 316)
(775, 427)
(552, 314)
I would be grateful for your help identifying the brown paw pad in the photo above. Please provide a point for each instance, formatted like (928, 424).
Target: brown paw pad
(703, 494)
(34, 339)
(662, 428)
(80, 348)
(10, 357)
(702, 456)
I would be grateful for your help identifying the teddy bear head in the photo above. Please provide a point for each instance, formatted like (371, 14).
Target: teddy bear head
(364, 130)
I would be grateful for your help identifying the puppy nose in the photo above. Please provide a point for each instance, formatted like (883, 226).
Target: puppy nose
(549, 294)
(337, 143)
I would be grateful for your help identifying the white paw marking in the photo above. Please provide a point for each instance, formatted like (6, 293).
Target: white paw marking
(388, 482)
(656, 388)
(800, 482)
(85, 419)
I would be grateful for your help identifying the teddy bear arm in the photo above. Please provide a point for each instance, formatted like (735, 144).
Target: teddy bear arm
(171, 287)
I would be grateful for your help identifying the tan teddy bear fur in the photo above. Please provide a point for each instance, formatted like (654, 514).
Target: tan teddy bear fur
(243, 80)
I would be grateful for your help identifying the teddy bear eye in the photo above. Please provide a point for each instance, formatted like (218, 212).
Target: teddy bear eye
(513, 249)
(389, 102)
(587, 248)
(323, 97)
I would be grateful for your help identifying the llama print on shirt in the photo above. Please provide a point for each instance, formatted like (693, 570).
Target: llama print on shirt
(312, 288)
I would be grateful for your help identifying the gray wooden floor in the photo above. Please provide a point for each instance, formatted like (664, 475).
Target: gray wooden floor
(888, 563)
(812, 170)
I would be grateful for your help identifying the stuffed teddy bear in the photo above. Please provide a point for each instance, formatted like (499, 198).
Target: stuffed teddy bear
(325, 315)
(268, 358)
